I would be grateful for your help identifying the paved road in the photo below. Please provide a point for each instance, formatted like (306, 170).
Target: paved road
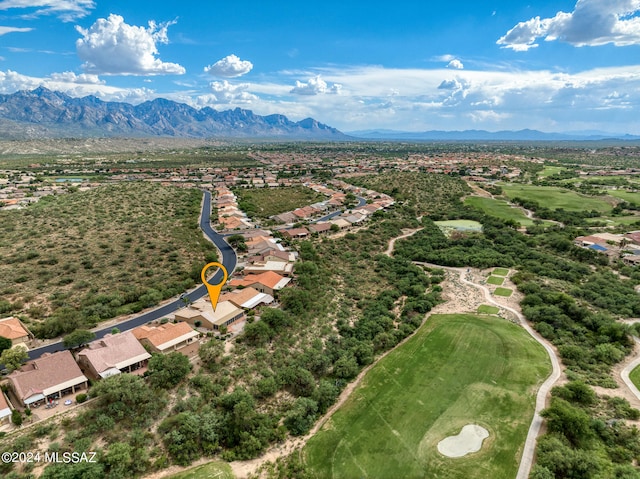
(229, 259)
(361, 202)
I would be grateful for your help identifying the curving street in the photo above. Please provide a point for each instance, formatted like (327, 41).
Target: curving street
(229, 259)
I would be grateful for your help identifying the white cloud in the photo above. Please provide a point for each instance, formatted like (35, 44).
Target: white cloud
(605, 99)
(225, 92)
(112, 47)
(229, 67)
(592, 23)
(455, 63)
(443, 58)
(66, 10)
(74, 86)
(315, 86)
(5, 30)
(70, 77)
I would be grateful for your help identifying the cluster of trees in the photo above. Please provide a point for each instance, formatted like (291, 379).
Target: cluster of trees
(575, 218)
(585, 438)
(588, 337)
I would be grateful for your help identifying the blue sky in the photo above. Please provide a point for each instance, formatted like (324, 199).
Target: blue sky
(404, 65)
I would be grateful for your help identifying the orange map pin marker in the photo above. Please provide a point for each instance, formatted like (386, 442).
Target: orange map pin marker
(214, 289)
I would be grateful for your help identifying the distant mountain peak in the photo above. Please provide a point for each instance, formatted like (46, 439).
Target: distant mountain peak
(43, 113)
(483, 135)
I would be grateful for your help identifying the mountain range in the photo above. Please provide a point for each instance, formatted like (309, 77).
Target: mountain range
(483, 135)
(42, 113)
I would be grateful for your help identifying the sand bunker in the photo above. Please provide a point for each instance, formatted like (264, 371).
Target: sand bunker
(469, 440)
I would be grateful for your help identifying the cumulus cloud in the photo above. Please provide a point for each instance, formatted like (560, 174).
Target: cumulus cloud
(74, 86)
(456, 64)
(112, 47)
(66, 10)
(592, 23)
(71, 77)
(315, 86)
(225, 92)
(229, 67)
(5, 30)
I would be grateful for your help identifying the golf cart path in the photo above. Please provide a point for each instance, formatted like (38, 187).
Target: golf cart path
(529, 448)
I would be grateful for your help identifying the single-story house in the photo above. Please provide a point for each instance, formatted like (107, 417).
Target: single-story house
(49, 377)
(247, 298)
(320, 228)
(201, 314)
(355, 218)
(113, 354)
(166, 338)
(268, 282)
(285, 269)
(13, 329)
(633, 237)
(287, 217)
(631, 260)
(296, 233)
(341, 223)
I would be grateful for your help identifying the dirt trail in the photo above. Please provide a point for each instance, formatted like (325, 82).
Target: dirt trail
(393, 241)
(461, 294)
(620, 372)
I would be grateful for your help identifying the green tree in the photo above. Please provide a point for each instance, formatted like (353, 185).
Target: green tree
(569, 421)
(5, 343)
(166, 371)
(237, 242)
(301, 416)
(13, 358)
(78, 338)
(126, 397)
(16, 417)
(118, 460)
(210, 353)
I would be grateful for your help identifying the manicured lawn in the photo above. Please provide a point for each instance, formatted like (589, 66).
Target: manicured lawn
(498, 208)
(486, 309)
(265, 202)
(506, 292)
(211, 470)
(500, 271)
(629, 196)
(497, 280)
(553, 197)
(550, 170)
(635, 376)
(447, 227)
(615, 220)
(456, 370)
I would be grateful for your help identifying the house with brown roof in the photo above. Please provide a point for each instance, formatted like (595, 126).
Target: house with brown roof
(201, 314)
(268, 282)
(49, 377)
(13, 329)
(247, 298)
(280, 267)
(113, 354)
(320, 228)
(287, 217)
(166, 338)
(296, 233)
